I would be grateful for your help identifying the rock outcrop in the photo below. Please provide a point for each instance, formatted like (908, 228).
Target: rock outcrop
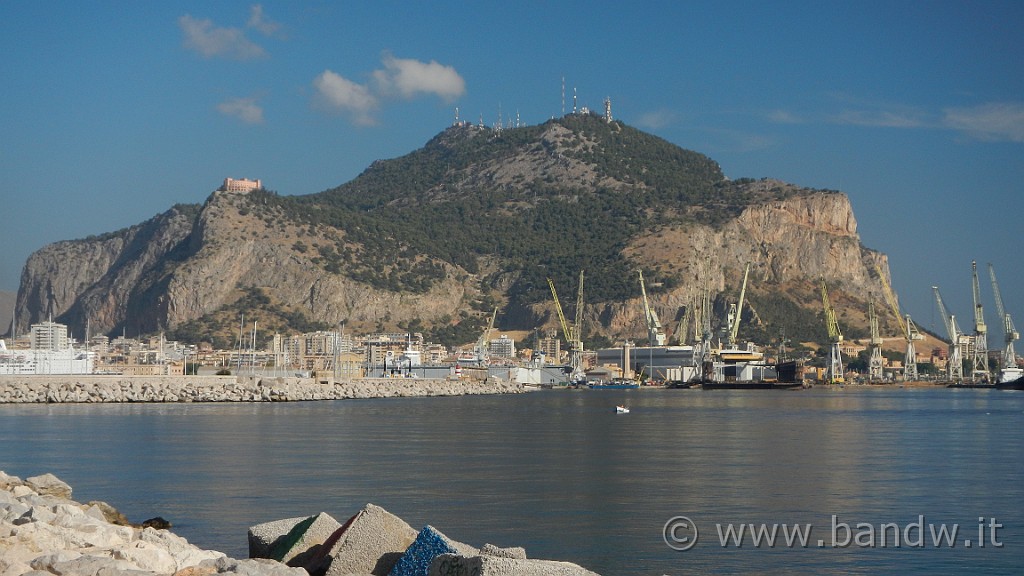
(43, 531)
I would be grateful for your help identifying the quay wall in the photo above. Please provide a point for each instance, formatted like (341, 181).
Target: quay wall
(54, 388)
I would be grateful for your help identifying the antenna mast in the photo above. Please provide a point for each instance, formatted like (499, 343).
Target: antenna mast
(563, 95)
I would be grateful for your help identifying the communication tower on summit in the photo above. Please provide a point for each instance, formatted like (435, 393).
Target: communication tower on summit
(608, 109)
(563, 95)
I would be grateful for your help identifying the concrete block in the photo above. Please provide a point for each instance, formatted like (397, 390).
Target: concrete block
(492, 550)
(371, 542)
(455, 565)
(429, 544)
(304, 540)
(263, 537)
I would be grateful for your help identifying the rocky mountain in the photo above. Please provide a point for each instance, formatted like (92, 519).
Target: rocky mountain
(477, 219)
(7, 300)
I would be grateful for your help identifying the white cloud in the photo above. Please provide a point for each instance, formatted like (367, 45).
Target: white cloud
(260, 22)
(338, 94)
(999, 121)
(882, 118)
(409, 77)
(206, 39)
(244, 109)
(657, 119)
(784, 117)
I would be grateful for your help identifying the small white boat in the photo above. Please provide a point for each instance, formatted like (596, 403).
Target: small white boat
(621, 410)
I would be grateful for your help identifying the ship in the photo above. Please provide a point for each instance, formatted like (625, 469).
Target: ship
(746, 369)
(1017, 384)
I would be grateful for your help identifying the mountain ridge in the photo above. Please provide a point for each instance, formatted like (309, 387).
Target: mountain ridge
(475, 219)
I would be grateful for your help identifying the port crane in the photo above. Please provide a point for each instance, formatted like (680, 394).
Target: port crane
(834, 369)
(955, 361)
(655, 333)
(979, 356)
(735, 312)
(875, 362)
(483, 346)
(910, 332)
(573, 334)
(1008, 369)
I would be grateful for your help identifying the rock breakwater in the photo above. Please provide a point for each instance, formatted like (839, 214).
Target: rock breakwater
(104, 388)
(43, 531)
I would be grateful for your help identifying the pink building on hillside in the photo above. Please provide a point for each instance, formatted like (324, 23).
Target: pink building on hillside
(240, 185)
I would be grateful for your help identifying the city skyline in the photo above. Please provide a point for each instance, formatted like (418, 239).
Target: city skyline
(115, 113)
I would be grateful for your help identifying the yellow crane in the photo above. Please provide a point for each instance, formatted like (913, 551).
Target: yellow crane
(910, 333)
(834, 369)
(573, 334)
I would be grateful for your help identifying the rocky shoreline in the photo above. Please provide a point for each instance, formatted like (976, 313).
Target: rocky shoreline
(44, 532)
(105, 388)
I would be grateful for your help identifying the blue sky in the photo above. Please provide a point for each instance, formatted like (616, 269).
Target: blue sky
(111, 112)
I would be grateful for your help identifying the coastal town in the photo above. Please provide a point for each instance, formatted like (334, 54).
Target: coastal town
(50, 349)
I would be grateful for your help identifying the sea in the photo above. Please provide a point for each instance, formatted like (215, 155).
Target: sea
(854, 480)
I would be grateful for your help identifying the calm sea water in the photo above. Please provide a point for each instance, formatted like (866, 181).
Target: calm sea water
(560, 474)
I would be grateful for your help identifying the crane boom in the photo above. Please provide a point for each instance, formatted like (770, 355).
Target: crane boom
(1010, 334)
(893, 305)
(561, 317)
(834, 333)
(955, 359)
(572, 333)
(579, 309)
(734, 328)
(483, 344)
(655, 333)
(834, 370)
(947, 318)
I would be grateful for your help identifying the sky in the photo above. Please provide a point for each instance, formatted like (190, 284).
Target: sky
(112, 112)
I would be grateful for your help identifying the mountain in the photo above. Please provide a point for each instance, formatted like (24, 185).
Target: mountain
(6, 310)
(474, 220)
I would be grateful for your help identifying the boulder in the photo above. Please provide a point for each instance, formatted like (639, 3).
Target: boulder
(49, 485)
(429, 544)
(371, 542)
(108, 512)
(483, 565)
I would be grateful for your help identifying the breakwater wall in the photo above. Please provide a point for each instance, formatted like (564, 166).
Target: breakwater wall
(53, 388)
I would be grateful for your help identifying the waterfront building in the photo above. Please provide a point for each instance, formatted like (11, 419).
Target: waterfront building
(49, 336)
(503, 347)
(50, 352)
